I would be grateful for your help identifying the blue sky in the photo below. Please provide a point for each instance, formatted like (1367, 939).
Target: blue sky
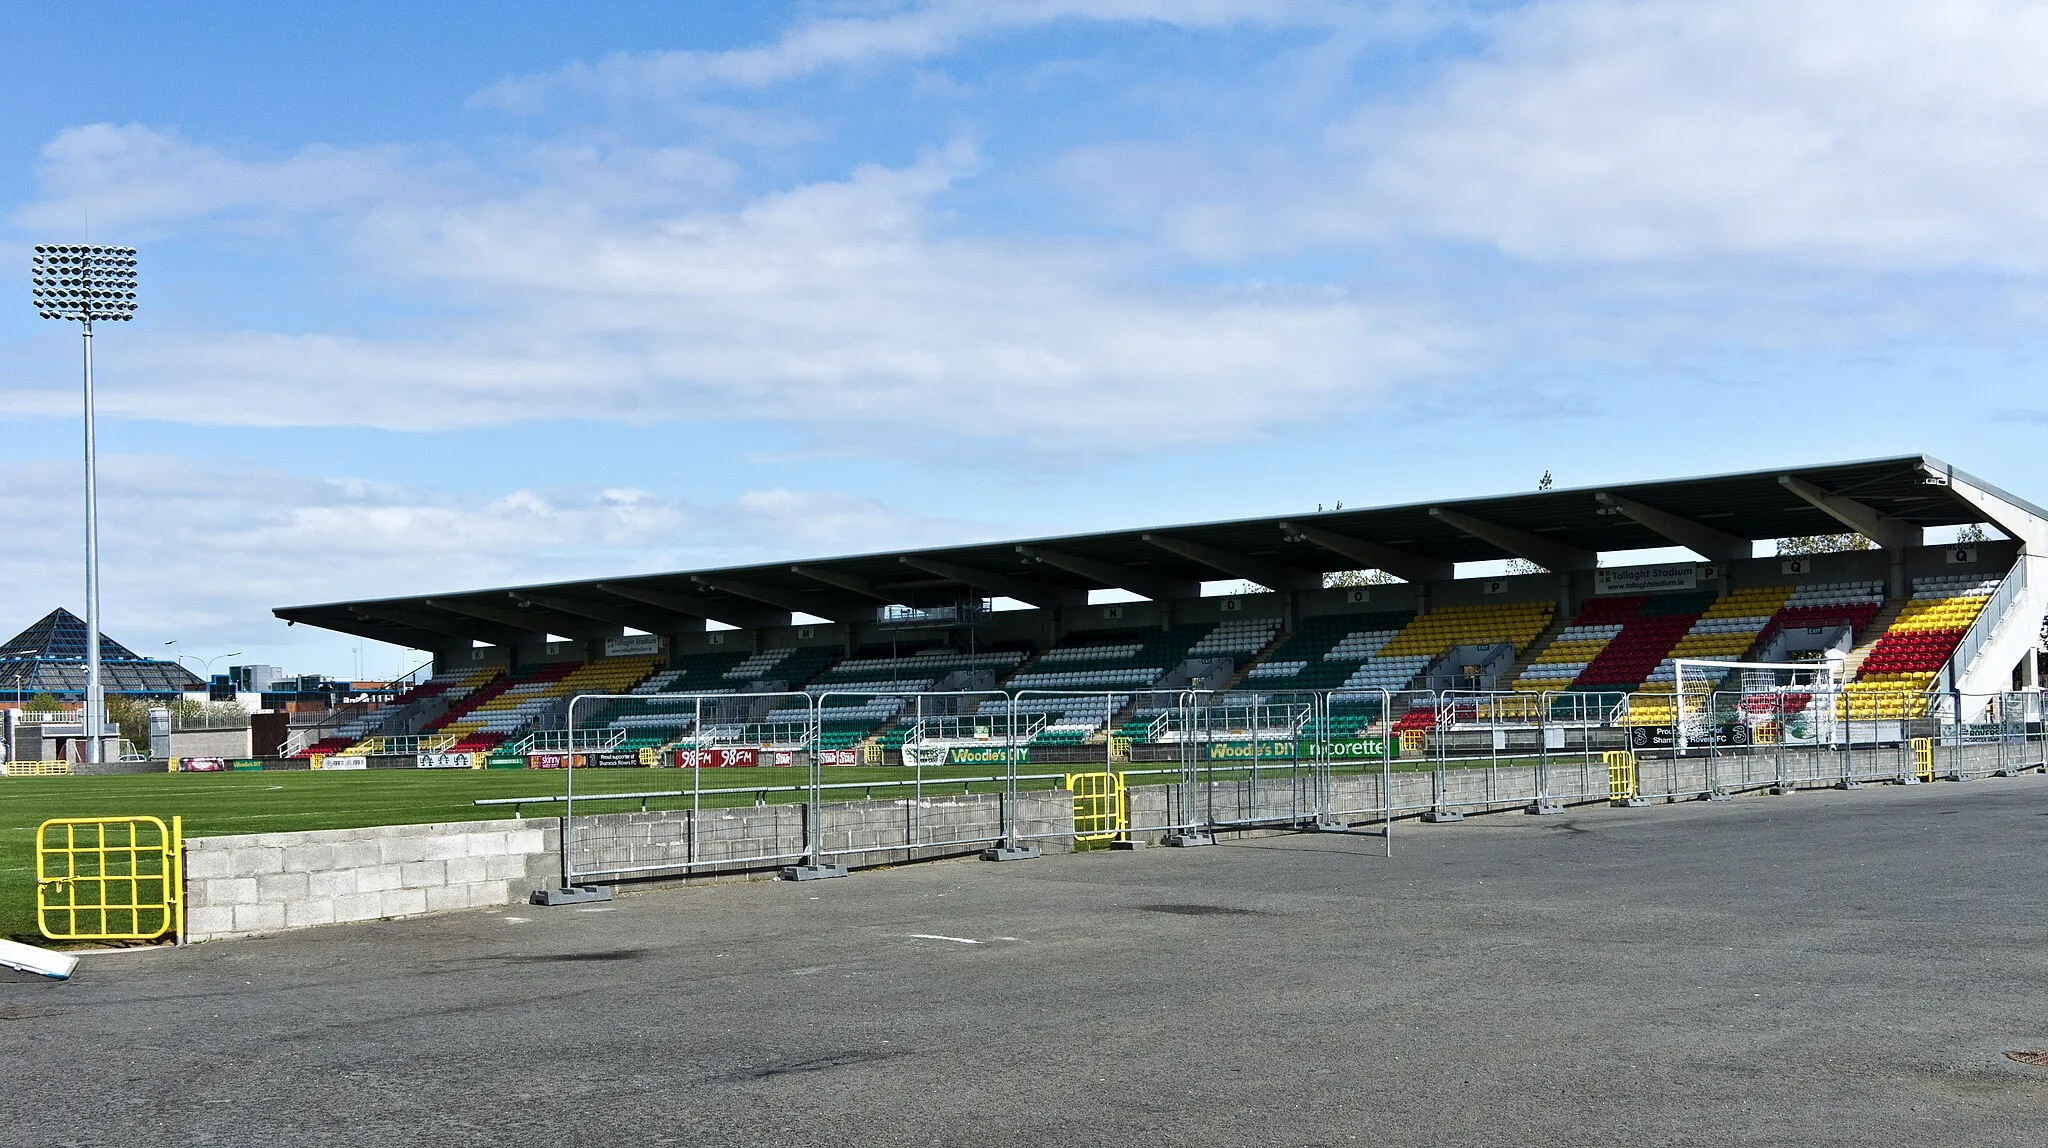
(440, 296)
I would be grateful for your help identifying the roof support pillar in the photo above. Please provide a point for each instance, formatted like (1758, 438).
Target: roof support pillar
(829, 607)
(1401, 564)
(1888, 532)
(731, 613)
(1271, 575)
(1158, 587)
(1703, 540)
(1548, 553)
(1041, 594)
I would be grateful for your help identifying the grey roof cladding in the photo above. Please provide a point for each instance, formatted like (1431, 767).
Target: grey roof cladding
(1751, 504)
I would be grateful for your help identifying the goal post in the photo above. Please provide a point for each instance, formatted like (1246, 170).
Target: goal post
(1822, 678)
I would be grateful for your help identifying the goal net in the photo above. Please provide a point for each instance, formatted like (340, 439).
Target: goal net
(924, 754)
(1718, 702)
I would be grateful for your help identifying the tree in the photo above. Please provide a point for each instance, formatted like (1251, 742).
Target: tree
(1336, 578)
(130, 715)
(44, 704)
(1970, 535)
(1822, 544)
(1523, 565)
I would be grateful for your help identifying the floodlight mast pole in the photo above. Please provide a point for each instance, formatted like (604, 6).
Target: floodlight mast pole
(95, 698)
(87, 282)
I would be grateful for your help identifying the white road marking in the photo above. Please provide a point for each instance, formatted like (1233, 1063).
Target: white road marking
(937, 937)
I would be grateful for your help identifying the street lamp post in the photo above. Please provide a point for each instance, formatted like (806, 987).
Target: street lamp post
(19, 671)
(206, 664)
(84, 282)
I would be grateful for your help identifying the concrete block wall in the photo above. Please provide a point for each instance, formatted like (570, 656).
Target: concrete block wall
(877, 832)
(268, 882)
(1153, 809)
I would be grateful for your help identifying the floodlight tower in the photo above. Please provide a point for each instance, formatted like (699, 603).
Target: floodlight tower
(84, 282)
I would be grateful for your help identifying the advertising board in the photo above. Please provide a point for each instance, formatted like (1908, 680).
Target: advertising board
(721, 757)
(1650, 579)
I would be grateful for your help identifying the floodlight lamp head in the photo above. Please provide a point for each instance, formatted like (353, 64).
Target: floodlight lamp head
(83, 282)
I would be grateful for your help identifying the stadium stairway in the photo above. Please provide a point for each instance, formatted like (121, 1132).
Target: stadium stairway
(1534, 650)
(1237, 676)
(1870, 634)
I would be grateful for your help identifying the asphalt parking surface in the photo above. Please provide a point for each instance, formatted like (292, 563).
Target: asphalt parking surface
(1815, 969)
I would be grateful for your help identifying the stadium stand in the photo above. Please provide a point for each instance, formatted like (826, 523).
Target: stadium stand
(1574, 633)
(1894, 675)
(504, 709)
(1327, 651)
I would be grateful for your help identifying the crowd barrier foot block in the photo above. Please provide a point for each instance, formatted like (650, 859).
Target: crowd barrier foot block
(1010, 853)
(812, 872)
(1904, 781)
(1848, 783)
(35, 959)
(1715, 795)
(1632, 803)
(1190, 839)
(571, 895)
(1443, 816)
(1126, 846)
(1543, 808)
(1330, 827)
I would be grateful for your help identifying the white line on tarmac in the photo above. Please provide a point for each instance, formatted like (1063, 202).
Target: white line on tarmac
(937, 937)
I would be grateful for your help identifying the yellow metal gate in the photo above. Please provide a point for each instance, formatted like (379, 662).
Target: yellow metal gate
(1621, 775)
(1923, 758)
(110, 879)
(1099, 810)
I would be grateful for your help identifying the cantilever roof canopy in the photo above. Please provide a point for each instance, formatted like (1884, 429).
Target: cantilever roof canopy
(1891, 499)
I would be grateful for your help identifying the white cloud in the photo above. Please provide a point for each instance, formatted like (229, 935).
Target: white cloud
(896, 33)
(1889, 134)
(139, 178)
(831, 305)
(201, 555)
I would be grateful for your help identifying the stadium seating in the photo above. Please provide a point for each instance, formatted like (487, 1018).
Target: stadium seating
(1910, 654)
(1645, 640)
(1108, 666)
(1326, 650)
(660, 720)
(1851, 604)
(508, 707)
(1236, 639)
(1109, 660)
(1728, 629)
(1431, 634)
(456, 685)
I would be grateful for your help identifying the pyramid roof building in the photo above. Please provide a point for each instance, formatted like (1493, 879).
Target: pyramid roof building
(49, 658)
